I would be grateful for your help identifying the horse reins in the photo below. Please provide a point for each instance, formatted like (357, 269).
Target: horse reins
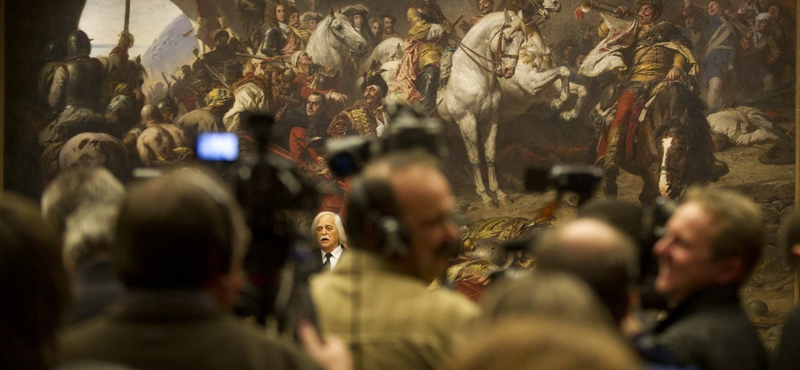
(338, 38)
(499, 51)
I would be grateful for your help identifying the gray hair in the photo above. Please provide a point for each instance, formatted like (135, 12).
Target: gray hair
(337, 220)
(89, 232)
(84, 204)
(83, 187)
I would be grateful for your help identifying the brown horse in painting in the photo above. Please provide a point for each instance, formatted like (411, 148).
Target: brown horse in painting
(669, 148)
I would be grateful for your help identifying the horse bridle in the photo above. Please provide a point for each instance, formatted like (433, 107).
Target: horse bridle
(499, 51)
(668, 170)
(340, 39)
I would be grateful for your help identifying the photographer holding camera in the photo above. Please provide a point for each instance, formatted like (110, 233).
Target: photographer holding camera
(400, 226)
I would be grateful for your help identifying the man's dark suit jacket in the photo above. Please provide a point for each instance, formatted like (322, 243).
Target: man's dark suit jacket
(711, 330)
(315, 259)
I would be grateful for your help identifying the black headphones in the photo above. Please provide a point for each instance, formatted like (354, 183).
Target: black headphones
(374, 202)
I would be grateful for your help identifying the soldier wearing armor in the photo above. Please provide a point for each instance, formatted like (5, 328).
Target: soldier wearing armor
(427, 38)
(279, 38)
(77, 87)
(365, 117)
(52, 56)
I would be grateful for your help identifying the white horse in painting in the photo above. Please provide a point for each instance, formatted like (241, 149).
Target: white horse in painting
(388, 54)
(336, 43)
(488, 52)
(386, 51)
(539, 79)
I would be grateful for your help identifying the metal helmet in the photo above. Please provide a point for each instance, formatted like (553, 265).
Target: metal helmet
(78, 44)
(54, 50)
(167, 104)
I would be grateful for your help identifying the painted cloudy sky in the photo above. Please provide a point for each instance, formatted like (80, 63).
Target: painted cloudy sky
(103, 21)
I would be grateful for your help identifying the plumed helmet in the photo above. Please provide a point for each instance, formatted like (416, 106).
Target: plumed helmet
(656, 4)
(78, 44)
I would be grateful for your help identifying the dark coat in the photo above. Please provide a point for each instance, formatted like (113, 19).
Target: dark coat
(315, 259)
(711, 330)
(176, 330)
(94, 288)
(788, 356)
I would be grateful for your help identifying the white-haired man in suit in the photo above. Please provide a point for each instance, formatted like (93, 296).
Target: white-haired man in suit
(329, 235)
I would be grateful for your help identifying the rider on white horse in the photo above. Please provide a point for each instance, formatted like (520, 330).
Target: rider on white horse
(427, 38)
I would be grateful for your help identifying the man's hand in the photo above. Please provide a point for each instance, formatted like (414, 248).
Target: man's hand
(621, 12)
(464, 26)
(331, 353)
(125, 40)
(338, 96)
(674, 74)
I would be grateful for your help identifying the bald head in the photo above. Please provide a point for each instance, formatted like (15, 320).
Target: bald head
(597, 253)
(590, 236)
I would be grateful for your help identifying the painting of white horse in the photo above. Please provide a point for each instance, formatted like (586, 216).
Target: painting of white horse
(336, 43)
(487, 53)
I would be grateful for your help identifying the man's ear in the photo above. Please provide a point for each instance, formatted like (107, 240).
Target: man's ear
(795, 252)
(731, 271)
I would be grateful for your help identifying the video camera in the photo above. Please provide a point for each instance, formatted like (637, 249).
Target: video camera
(581, 179)
(268, 187)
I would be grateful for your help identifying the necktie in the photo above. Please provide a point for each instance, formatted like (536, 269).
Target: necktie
(327, 264)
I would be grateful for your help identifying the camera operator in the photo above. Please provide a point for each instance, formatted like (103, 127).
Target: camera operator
(400, 225)
(181, 240)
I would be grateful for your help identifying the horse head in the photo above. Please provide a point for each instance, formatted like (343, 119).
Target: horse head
(346, 37)
(506, 43)
(546, 7)
(673, 145)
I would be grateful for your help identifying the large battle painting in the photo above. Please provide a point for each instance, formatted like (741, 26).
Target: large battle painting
(658, 95)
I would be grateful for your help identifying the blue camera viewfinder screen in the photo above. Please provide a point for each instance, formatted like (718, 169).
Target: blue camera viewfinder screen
(218, 146)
